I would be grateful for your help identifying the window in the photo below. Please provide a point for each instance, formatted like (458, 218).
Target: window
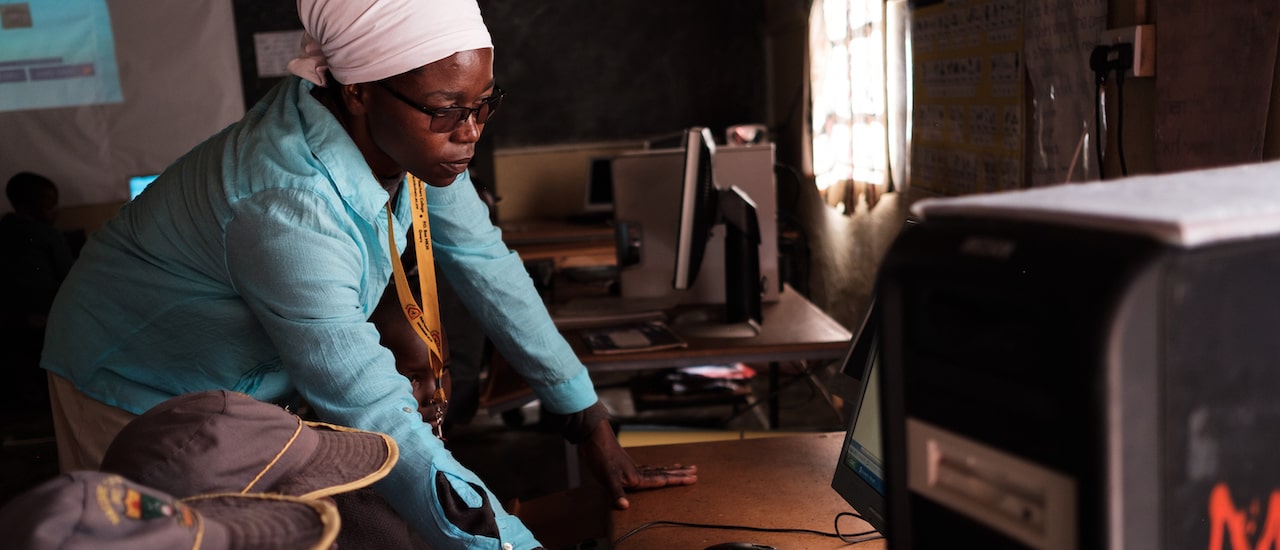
(858, 79)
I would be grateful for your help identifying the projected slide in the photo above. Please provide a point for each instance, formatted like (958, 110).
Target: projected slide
(56, 53)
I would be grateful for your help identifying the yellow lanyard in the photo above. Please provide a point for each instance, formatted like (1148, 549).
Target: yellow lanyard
(425, 319)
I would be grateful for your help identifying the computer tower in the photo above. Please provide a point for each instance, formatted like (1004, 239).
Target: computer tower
(1082, 381)
(646, 194)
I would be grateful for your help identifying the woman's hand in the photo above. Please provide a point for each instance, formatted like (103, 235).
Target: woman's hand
(424, 390)
(412, 356)
(614, 468)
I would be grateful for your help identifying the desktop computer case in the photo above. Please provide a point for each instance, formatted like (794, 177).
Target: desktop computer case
(1053, 387)
(646, 194)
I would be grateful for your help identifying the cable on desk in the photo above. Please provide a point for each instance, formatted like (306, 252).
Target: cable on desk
(849, 538)
(843, 537)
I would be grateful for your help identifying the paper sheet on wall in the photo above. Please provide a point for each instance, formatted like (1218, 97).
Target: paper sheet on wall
(1060, 36)
(1214, 83)
(274, 50)
(967, 133)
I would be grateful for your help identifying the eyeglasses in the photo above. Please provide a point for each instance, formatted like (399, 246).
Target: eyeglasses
(447, 119)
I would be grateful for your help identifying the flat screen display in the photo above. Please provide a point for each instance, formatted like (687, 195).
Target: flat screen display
(863, 451)
(859, 472)
(138, 183)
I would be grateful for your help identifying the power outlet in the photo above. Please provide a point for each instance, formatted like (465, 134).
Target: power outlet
(1143, 38)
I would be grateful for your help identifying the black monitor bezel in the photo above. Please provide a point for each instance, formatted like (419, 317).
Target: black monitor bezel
(862, 356)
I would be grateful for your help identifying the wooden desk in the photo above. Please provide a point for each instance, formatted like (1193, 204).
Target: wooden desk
(776, 482)
(517, 233)
(794, 329)
(565, 244)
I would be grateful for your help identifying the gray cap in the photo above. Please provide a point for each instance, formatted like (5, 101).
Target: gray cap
(100, 511)
(224, 441)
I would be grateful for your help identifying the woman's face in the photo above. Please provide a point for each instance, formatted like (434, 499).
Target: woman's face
(402, 132)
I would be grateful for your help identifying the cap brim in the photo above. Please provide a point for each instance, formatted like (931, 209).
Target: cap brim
(345, 459)
(235, 521)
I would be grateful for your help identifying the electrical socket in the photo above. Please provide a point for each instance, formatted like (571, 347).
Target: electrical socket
(1143, 38)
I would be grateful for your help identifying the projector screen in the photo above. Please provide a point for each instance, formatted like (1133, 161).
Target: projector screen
(56, 53)
(167, 77)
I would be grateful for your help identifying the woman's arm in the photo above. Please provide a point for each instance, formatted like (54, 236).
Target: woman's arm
(311, 275)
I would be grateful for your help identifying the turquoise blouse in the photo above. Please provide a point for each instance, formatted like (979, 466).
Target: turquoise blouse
(253, 264)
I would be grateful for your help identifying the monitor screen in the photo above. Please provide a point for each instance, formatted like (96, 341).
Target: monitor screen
(599, 195)
(138, 183)
(859, 472)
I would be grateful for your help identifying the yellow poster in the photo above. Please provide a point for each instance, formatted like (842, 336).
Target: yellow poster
(968, 73)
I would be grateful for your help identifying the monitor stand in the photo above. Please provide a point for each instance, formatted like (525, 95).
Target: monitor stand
(740, 315)
(709, 322)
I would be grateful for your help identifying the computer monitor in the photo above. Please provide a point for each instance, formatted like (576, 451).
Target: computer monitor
(703, 206)
(859, 471)
(138, 183)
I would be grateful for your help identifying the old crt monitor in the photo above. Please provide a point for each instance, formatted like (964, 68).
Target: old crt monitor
(859, 472)
(704, 205)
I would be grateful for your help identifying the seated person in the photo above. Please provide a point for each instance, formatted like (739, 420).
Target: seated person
(35, 253)
(34, 259)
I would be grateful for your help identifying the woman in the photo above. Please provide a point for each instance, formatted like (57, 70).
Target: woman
(256, 261)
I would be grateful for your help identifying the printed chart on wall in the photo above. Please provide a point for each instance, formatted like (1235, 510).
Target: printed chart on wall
(967, 127)
(56, 53)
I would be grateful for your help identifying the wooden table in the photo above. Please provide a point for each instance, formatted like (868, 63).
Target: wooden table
(564, 244)
(794, 329)
(781, 482)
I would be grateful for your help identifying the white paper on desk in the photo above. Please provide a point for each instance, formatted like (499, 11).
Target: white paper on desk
(1185, 209)
(630, 338)
(274, 50)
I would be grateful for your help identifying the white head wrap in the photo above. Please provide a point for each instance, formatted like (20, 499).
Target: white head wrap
(367, 40)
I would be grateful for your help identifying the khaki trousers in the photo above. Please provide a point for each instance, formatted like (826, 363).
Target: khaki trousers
(83, 426)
